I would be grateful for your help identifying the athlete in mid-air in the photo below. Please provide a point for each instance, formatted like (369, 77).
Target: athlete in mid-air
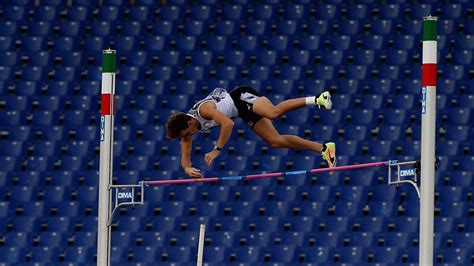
(220, 107)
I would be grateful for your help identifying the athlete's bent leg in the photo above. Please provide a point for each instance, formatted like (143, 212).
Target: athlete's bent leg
(264, 107)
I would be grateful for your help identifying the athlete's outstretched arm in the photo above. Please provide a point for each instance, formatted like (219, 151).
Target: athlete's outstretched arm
(186, 147)
(209, 111)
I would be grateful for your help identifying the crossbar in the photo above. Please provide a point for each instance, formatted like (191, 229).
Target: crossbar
(265, 175)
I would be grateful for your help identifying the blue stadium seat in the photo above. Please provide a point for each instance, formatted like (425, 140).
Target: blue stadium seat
(381, 27)
(333, 58)
(16, 239)
(44, 254)
(8, 28)
(77, 13)
(61, 178)
(294, 11)
(201, 58)
(412, 27)
(54, 193)
(185, 43)
(233, 58)
(280, 253)
(278, 42)
(349, 27)
(253, 193)
(87, 194)
(244, 254)
(163, 28)
(452, 11)
(403, 224)
(153, 43)
(255, 27)
(201, 12)
(128, 224)
(245, 43)
(309, 42)
(357, 239)
(24, 224)
(10, 148)
(299, 57)
(124, 44)
(351, 255)
(153, 87)
(217, 43)
(131, 28)
(452, 209)
(457, 132)
(232, 12)
(263, 11)
(326, 11)
(161, 73)
(69, 28)
(286, 27)
(318, 254)
(193, 27)
(146, 254)
(332, 224)
(10, 254)
(139, 13)
(79, 254)
(14, 13)
(45, 13)
(32, 44)
(267, 57)
(89, 239)
(420, 10)
(390, 11)
(170, 12)
(5, 43)
(161, 224)
(176, 254)
(148, 239)
(357, 11)
(362, 117)
(355, 132)
(462, 57)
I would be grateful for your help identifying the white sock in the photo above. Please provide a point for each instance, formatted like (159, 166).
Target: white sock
(311, 100)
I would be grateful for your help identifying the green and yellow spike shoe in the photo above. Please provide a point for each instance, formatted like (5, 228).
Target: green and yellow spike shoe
(330, 154)
(324, 100)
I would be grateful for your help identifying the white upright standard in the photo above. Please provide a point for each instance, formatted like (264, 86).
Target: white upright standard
(106, 155)
(428, 137)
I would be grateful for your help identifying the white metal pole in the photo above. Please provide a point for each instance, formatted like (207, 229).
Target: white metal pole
(202, 230)
(428, 138)
(106, 155)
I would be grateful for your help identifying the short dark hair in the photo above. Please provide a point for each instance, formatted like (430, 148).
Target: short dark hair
(176, 123)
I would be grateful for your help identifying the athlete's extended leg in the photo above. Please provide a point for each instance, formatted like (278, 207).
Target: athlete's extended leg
(264, 107)
(265, 129)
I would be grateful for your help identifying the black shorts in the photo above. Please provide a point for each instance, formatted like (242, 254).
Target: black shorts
(244, 97)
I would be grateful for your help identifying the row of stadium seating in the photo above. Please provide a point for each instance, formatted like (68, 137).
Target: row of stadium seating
(227, 239)
(267, 163)
(278, 255)
(237, 11)
(301, 224)
(63, 178)
(355, 194)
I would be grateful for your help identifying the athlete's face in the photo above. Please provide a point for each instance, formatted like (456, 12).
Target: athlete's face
(191, 130)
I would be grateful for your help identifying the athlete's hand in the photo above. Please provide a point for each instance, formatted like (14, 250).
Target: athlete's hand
(210, 156)
(193, 172)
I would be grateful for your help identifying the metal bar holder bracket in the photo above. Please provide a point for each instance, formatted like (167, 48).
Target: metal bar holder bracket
(403, 169)
(124, 195)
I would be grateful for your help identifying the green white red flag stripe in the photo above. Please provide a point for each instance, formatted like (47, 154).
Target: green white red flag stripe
(429, 52)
